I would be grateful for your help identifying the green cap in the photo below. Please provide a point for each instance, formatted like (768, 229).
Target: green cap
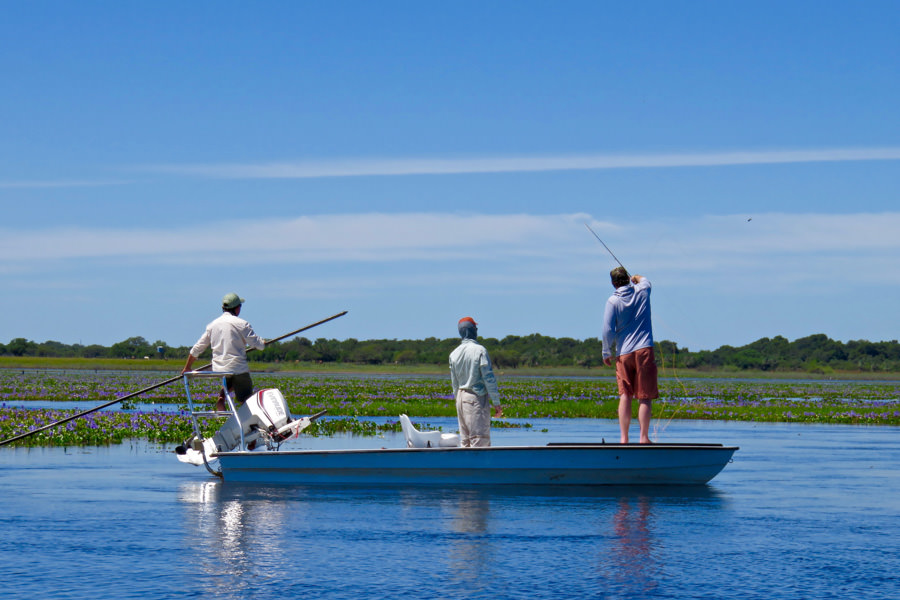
(231, 300)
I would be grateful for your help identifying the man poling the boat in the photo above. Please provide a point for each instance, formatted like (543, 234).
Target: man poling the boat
(229, 336)
(152, 387)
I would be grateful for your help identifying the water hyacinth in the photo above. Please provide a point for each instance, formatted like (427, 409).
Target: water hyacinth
(110, 427)
(348, 398)
(99, 428)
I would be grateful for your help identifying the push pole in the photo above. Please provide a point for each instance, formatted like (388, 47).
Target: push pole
(152, 387)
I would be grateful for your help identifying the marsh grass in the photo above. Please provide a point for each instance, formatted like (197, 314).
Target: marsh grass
(350, 398)
(167, 367)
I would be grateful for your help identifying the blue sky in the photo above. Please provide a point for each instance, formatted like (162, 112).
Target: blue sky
(415, 162)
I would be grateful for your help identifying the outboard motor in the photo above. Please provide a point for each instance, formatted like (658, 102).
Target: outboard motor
(265, 411)
(265, 421)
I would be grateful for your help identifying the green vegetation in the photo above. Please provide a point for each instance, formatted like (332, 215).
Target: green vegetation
(350, 399)
(815, 354)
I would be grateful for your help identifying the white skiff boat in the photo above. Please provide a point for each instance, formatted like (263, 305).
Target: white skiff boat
(247, 449)
(554, 464)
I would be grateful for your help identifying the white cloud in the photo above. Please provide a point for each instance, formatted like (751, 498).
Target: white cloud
(774, 274)
(327, 238)
(447, 166)
(311, 169)
(62, 183)
(711, 241)
(769, 249)
(803, 233)
(512, 254)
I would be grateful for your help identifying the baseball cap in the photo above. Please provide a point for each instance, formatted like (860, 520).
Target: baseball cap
(232, 300)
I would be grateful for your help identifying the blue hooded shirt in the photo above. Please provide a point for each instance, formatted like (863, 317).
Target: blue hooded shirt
(626, 320)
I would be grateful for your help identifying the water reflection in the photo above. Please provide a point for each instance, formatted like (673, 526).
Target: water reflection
(470, 550)
(231, 531)
(467, 538)
(815, 505)
(629, 562)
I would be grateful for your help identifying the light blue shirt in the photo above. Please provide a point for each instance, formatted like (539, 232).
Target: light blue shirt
(626, 320)
(470, 370)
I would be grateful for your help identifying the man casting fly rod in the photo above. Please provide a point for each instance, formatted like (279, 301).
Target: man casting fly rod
(628, 337)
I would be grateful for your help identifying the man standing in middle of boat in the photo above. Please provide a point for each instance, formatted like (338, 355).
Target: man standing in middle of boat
(627, 327)
(474, 385)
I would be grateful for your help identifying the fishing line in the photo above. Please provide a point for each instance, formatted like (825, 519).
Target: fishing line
(674, 375)
(662, 359)
(605, 246)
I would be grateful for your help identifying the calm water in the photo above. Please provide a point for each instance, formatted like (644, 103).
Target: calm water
(804, 511)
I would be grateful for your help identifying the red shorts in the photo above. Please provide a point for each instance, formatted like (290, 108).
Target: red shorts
(636, 374)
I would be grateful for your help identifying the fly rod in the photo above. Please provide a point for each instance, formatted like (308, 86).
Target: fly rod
(154, 386)
(605, 246)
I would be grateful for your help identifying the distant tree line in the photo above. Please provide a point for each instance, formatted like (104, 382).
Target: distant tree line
(815, 353)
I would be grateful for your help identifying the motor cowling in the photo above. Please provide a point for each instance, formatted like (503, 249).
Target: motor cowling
(264, 415)
(265, 411)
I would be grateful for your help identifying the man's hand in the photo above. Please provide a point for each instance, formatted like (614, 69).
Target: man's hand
(608, 361)
(188, 363)
(498, 412)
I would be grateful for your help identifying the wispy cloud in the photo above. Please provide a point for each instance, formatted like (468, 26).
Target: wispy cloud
(558, 243)
(773, 248)
(782, 274)
(473, 165)
(62, 183)
(326, 238)
(779, 233)
(373, 167)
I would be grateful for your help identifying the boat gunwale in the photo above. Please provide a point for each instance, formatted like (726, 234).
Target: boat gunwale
(552, 446)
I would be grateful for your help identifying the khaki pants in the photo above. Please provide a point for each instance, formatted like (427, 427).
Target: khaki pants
(474, 415)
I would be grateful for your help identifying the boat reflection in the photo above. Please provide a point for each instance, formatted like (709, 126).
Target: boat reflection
(635, 533)
(628, 562)
(466, 538)
(470, 548)
(230, 532)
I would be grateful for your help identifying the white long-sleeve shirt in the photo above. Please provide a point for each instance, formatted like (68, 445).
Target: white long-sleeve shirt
(470, 370)
(229, 337)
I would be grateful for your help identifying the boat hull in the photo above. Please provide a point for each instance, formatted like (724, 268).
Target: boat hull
(554, 465)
